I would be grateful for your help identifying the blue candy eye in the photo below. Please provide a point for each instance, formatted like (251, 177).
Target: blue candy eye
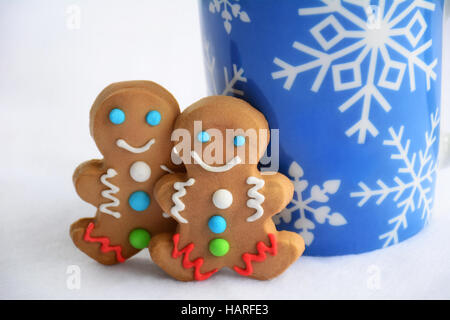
(153, 118)
(116, 116)
(239, 141)
(203, 136)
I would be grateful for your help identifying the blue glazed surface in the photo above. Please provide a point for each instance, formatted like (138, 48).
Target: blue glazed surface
(356, 191)
(217, 224)
(239, 141)
(116, 116)
(139, 200)
(153, 118)
(203, 136)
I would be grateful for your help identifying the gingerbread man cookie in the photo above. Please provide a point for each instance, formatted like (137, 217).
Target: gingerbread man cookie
(131, 123)
(224, 208)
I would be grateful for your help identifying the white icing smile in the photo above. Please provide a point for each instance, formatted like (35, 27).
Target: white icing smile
(121, 143)
(233, 162)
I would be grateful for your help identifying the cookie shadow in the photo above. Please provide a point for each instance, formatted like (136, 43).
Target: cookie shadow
(143, 266)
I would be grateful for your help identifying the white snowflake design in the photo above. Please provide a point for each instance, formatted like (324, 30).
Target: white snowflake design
(372, 38)
(228, 11)
(318, 194)
(236, 76)
(417, 188)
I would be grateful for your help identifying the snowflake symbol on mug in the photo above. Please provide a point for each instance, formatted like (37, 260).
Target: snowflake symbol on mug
(374, 38)
(417, 188)
(306, 212)
(230, 83)
(235, 11)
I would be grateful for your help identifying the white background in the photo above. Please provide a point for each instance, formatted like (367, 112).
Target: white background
(50, 74)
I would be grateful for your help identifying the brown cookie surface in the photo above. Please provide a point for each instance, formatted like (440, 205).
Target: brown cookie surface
(222, 203)
(131, 123)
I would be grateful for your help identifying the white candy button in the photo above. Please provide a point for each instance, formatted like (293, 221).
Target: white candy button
(222, 199)
(140, 171)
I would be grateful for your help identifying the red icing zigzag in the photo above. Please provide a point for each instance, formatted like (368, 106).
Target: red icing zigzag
(187, 264)
(261, 256)
(105, 243)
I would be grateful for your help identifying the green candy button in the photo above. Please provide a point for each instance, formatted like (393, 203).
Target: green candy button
(219, 247)
(139, 238)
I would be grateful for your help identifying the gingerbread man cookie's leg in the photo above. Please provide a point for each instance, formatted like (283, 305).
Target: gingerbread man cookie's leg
(175, 260)
(161, 249)
(272, 256)
(104, 242)
(98, 248)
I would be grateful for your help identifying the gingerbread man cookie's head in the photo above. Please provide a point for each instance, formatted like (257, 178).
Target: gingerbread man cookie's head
(220, 134)
(131, 117)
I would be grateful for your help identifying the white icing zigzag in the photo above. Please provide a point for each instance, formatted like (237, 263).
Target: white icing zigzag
(256, 198)
(108, 194)
(165, 215)
(165, 168)
(179, 205)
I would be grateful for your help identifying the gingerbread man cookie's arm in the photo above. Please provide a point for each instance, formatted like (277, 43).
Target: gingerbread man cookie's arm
(86, 179)
(169, 191)
(268, 195)
(172, 168)
(281, 191)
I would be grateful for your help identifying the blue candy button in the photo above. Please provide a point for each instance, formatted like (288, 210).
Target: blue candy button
(153, 118)
(139, 200)
(116, 116)
(239, 141)
(217, 224)
(203, 136)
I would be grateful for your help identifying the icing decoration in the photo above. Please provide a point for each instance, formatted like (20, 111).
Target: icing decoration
(260, 257)
(139, 200)
(116, 116)
(239, 141)
(203, 136)
(219, 247)
(163, 167)
(124, 145)
(153, 118)
(175, 156)
(105, 243)
(217, 224)
(222, 199)
(178, 204)
(165, 215)
(140, 171)
(175, 151)
(187, 264)
(256, 198)
(235, 161)
(108, 194)
(139, 238)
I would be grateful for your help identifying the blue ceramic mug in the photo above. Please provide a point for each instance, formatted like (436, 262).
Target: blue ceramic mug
(354, 87)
